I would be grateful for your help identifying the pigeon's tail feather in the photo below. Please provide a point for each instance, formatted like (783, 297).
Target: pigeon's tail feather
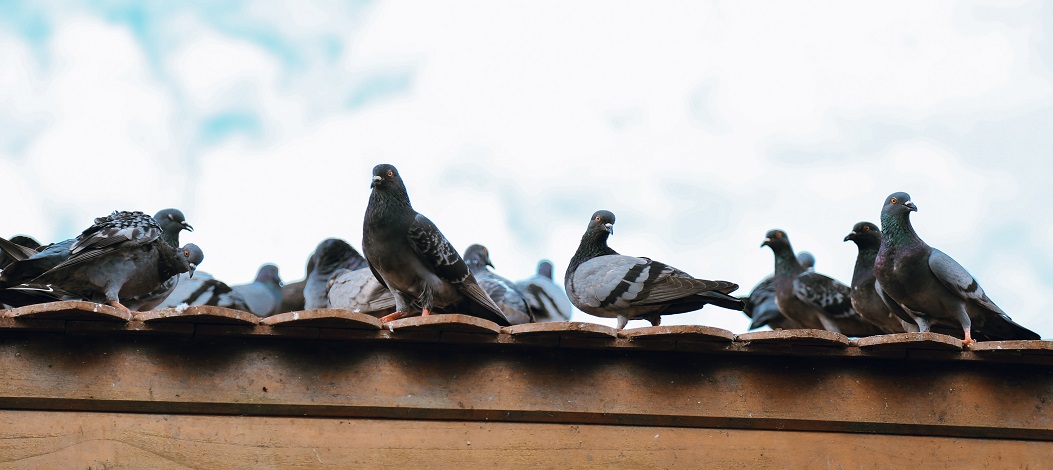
(16, 251)
(721, 299)
(762, 316)
(477, 296)
(1002, 327)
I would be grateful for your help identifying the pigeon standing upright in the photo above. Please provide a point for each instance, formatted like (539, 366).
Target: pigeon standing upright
(414, 260)
(921, 282)
(172, 222)
(760, 304)
(809, 298)
(331, 255)
(511, 300)
(547, 300)
(120, 256)
(604, 283)
(865, 299)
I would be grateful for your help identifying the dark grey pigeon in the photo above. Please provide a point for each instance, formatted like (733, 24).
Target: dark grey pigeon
(331, 255)
(18, 248)
(292, 293)
(511, 300)
(172, 222)
(812, 299)
(865, 299)
(921, 282)
(412, 258)
(760, 305)
(120, 256)
(359, 291)
(604, 283)
(547, 300)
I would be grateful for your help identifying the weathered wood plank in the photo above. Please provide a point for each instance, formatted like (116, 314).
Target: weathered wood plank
(30, 439)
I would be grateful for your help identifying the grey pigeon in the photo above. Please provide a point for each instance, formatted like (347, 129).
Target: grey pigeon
(547, 300)
(172, 222)
(203, 289)
(359, 291)
(760, 304)
(292, 293)
(20, 247)
(865, 299)
(120, 256)
(331, 255)
(920, 282)
(511, 300)
(412, 258)
(263, 296)
(604, 283)
(812, 299)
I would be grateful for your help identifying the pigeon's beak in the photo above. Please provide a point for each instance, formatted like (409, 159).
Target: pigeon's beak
(193, 267)
(911, 206)
(376, 181)
(766, 242)
(851, 235)
(609, 228)
(186, 226)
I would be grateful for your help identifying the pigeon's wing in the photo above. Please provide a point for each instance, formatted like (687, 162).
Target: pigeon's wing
(760, 305)
(120, 229)
(958, 280)
(892, 305)
(16, 251)
(833, 297)
(625, 281)
(435, 251)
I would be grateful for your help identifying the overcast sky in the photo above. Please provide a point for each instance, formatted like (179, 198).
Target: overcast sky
(701, 125)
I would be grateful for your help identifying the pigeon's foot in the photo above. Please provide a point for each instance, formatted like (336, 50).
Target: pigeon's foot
(116, 304)
(425, 312)
(968, 338)
(393, 316)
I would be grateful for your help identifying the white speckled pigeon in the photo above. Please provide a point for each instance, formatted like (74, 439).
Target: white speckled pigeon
(511, 300)
(359, 291)
(120, 256)
(812, 299)
(547, 299)
(331, 255)
(172, 222)
(930, 286)
(761, 307)
(865, 299)
(604, 283)
(412, 258)
(261, 297)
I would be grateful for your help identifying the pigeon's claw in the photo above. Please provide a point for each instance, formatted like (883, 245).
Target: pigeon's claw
(116, 304)
(393, 316)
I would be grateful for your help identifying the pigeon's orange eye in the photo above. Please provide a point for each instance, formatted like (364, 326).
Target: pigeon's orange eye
(894, 201)
(778, 234)
(866, 228)
(391, 173)
(186, 253)
(597, 219)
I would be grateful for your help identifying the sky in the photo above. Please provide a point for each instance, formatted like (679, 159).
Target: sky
(701, 125)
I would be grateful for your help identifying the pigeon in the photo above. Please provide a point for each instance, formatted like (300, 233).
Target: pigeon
(331, 255)
(292, 293)
(172, 222)
(760, 305)
(263, 296)
(812, 299)
(511, 300)
(120, 256)
(604, 283)
(18, 248)
(865, 300)
(547, 300)
(359, 291)
(920, 282)
(414, 260)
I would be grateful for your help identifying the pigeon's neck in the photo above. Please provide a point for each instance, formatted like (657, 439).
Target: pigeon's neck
(864, 264)
(786, 262)
(389, 201)
(171, 236)
(476, 266)
(590, 247)
(897, 231)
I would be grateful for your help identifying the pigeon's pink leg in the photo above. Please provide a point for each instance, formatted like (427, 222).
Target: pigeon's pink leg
(116, 304)
(968, 337)
(393, 316)
(425, 312)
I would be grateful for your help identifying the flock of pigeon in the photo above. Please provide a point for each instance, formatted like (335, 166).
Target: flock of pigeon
(132, 261)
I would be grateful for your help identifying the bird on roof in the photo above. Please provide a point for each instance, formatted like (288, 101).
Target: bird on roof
(809, 298)
(547, 300)
(331, 255)
(18, 248)
(261, 297)
(359, 291)
(760, 304)
(172, 221)
(865, 300)
(511, 300)
(604, 283)
(120, 256)
(413, 259)
(918, 281)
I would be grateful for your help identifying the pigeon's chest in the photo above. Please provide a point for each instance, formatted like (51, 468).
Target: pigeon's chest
(904, 275)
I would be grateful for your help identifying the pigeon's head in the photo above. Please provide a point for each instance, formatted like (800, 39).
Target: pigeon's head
(898, 203)
(602, 223)
(333, 252)
(865, 234)
(544, 268)
(26, 241)
(477, 256)
(268, 274)
(385, 175)
(194, 256)
(172, 220)
(806, 260)
(775, 239)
